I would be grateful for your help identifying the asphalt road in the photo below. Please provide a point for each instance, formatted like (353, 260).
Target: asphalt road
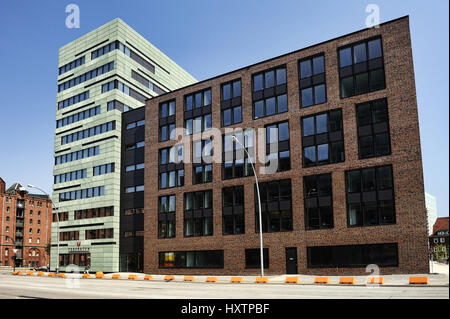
(13, 287)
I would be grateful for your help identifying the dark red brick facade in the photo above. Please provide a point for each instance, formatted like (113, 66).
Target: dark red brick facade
(32, 241)
(410, 230)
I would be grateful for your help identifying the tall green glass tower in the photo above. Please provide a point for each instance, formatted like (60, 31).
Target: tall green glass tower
(101, 74)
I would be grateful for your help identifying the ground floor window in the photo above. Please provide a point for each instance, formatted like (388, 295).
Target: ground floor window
(383, 255)
(133, 262)
(191, 259)
(79, 259)
(253, 258)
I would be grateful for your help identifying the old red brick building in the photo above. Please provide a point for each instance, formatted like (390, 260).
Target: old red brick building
(25, 223)
(348, 187)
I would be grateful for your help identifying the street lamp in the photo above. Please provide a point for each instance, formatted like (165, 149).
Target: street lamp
(259, 206)
(57, 224)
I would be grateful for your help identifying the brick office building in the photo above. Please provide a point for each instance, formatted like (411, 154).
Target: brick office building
(26, 220)
(348, 190)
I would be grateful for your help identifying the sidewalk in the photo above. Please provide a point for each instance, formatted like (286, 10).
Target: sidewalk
(439, 277)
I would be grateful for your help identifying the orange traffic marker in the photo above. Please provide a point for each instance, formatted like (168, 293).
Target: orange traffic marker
(347, 281)
(375, 280)
(418, 280)
(211, 279)
(322, 280)
(292, 280)
(262, 280)
(236, 279)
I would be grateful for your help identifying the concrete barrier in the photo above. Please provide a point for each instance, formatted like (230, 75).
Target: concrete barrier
(86, 276)
(262, 280)
(132, 277)
(40, 274)
(148, 277)
(292, 280)
(99, 275)
(322, 280)
(61, 275)
(115, 276)
(375, 280)
(418, 280)
(236, 280)
(51, 274)
(169, 278)
(211, 279)
(189, 278)
(347, 281)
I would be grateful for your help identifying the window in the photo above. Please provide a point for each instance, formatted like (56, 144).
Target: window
(134, 167)
(198, 214)
(82, 193)
(134, 189)
(116, 84)
(70, 176)
(171, 167)
(147, 83)
(361, 68)
(312, 81)
(166, 217)
(318, 201)
(233, 210)
(72, 65)
(135, 124)
(73, 100)
(191, 259)
(74, 156)
(134, 146)
(231, 103)
(103, 169)
(86, 76)
(277, 147)
(94, 212)
(62, 216)
(370, 196)
(373, 129)
(133, 211)
(231, 90)
(236, 162)
(197, 100)
(116, 105)
(323, 139)
(69, 235)
(202, 159)
(96, 130)
(383, 255)
(78, 116)
(276, 206)
(99, 233)
(253, 258)
(270, 93)
(167, 121)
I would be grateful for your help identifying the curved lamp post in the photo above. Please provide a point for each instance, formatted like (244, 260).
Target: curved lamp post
(259, 206)
(57, 224)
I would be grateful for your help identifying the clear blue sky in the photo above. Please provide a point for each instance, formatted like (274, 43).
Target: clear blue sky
(206, 38)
